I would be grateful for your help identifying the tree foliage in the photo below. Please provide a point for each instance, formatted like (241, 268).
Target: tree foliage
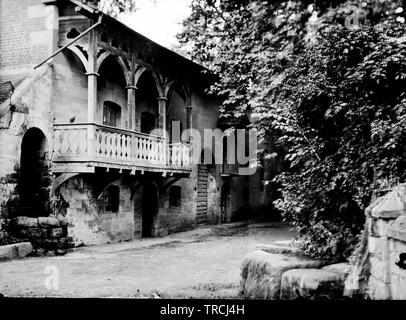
(113, 7)
(326, 83)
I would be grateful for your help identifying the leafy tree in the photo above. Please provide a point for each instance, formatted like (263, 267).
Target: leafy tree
(324, 81)
(113, 7)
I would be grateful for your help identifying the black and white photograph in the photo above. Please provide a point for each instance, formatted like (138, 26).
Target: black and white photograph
(202, 155)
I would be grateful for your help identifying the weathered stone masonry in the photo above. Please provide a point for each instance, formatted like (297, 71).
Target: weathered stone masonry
(379, 272)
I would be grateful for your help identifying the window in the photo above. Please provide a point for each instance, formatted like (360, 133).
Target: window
(175, 197)
(111, 199)
(111, 114)
(73, 33)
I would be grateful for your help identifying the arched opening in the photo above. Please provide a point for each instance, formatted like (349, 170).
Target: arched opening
(148, 122)
(70, 64)
(176, 114)
(175, 198)
(225, 201)
(147, 103)
(149, 209)
(34, 182)
(111, 93)
(73, 33)
(111, 114)
(111, 199)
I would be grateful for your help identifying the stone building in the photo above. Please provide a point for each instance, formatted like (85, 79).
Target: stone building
(81, 99)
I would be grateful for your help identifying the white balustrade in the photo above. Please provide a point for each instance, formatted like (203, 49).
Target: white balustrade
(118, 146)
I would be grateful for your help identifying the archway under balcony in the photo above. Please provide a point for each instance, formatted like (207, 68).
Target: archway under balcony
(71, 68)
(176, 112)
(147, 105)
(149, 208)
(34, 183)
(111, 93)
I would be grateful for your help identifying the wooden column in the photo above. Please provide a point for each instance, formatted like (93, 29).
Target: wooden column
(162, 115)
(131, 98)
(92, 93)
(189, 124)
(131, 108)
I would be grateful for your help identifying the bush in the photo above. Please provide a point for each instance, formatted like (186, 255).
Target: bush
(340, 111)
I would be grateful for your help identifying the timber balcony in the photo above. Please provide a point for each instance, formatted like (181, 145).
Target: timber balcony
(83, 147)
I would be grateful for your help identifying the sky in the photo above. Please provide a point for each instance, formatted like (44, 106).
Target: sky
(159, 20)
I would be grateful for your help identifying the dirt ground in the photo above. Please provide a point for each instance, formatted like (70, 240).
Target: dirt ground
(202, 263)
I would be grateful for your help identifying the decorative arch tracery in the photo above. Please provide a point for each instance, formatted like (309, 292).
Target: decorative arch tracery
(126, 71)
(81, 56)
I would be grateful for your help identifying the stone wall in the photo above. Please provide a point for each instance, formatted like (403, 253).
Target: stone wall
(87, 225)
(27, 29)
(170, 221)
(378, 272)
(397, 247)
(31, 109)
(44, 233)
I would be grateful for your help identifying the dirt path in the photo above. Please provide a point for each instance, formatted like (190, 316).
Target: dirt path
(203, 263)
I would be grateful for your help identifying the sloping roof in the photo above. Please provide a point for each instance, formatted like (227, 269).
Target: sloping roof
(94, 11)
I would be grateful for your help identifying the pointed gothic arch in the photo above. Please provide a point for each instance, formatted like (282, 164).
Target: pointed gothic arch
(158, 84)
(121, 62)
(80, 55)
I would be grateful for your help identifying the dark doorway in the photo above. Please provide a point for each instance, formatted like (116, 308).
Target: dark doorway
(147, 122)
(34, 182)
(149, 209)
(225, 201)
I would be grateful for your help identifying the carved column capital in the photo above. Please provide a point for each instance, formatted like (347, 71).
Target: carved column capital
(92, 74)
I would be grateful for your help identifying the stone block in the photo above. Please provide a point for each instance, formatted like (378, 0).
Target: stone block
(390, 207)
(379, 227)
(380, 269)
(63, 221)
(397, 229)
(271, 248)
(33, 233)
(284, 243)
(379, 247)
(24, 222)
(311, 284)
(8, 252)
(378, 290)
(65, 243)
(48, 222)
(395, 279)
(49, 244)
(60, 252)
(24, 249)
(340, 268)
(16, 250)
(55, 233)
(262, 272)
(402, 287)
